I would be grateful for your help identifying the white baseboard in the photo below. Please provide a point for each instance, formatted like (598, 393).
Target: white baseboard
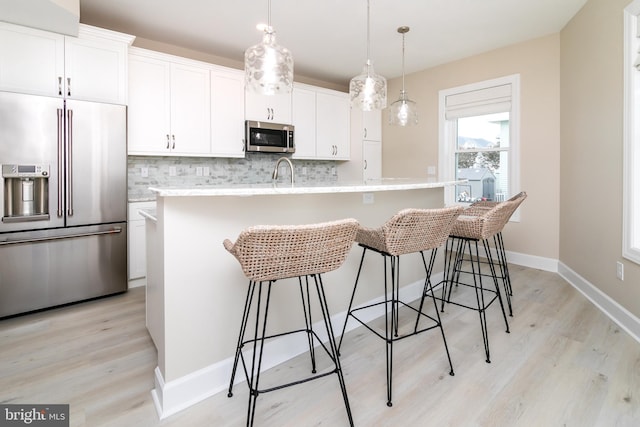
(620, 315)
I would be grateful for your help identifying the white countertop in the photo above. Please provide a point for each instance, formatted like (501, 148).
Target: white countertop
(385, 184)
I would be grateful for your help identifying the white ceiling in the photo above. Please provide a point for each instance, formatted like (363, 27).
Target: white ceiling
(328, 37)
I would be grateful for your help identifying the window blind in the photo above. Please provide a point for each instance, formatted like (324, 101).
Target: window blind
(495, 99)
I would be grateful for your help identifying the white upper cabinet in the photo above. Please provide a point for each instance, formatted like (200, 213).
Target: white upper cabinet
(227, 113)
(372, 125)
(268, 108)
(92, 66)
(322, 123)
(304, 122)
(169, 105)
(332, 126)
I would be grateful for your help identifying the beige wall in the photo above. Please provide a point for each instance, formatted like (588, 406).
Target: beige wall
(408, 151)
(591, 151)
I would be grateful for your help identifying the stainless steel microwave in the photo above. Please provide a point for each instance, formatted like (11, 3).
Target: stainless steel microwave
(269, 137)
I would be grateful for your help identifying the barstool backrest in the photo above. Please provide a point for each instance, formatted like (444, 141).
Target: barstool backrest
(483, 223)
(414, 230)
(272, 252)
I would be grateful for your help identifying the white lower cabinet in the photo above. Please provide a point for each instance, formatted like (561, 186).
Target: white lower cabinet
(137, 257)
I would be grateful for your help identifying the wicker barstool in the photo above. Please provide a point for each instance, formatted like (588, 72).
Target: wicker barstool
(472, 227)
(409, 231)
(478, 209)
(270, 253)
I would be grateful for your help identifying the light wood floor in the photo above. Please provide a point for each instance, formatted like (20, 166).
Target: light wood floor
(563, 364)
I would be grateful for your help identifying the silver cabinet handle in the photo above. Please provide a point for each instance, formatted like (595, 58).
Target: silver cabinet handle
(173, 145)
(365, 132)
(68, 86)
(168, 143)
(60, 85)
(365, 165)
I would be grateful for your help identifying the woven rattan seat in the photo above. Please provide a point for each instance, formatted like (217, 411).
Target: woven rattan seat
(409, 231)
(270, 253)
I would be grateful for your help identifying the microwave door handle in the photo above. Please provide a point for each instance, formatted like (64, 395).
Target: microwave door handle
(60, 160)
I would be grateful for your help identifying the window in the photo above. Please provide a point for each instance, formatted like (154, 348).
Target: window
(631, 169)
(479, 140)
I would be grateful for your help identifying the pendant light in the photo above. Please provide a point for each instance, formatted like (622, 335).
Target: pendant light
(403, 112)
(268, 67)
(368, 91)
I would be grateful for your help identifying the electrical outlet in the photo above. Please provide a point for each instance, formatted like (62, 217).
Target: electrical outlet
(172, 171)
(367, 198)
(198, 171)
(205, 171)
(620, 270)
(144, 172)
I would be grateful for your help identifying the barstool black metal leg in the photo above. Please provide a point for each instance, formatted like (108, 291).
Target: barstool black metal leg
(332, 343)
(477, 278)
(495, 282)
(504, 270)
(243, 327)
(256, 366)
(308, 321)
(353, 294)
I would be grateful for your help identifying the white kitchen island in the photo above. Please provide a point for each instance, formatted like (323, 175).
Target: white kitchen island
(196, 289)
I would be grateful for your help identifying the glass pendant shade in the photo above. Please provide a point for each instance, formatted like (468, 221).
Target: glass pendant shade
(268, 67)
(403, 112)
(368, 90)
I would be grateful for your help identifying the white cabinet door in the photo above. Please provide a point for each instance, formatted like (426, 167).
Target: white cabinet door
(149, 112)
(88, 67)
(371, 160)
(372, 121)
(31, 61)
(96, 69)
(190, 110)
(268, 108)
(137, 240)
(304, 122)
(169, 111)
(227, 114)
(332, 126)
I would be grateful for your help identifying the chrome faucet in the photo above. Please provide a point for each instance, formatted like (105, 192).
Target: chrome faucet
(275, 170)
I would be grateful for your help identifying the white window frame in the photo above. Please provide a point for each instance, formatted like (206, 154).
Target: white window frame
(447, 131)
(631, 148)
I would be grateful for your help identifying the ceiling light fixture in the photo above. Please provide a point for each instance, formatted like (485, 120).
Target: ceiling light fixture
(403, 112)
(268, 67)
(368, 91)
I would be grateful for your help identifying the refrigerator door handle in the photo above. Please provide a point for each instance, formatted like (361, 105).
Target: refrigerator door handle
(69, 162)
(60, 161)
(114, 230)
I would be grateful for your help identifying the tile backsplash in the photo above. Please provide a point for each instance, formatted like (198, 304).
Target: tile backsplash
(255, 168)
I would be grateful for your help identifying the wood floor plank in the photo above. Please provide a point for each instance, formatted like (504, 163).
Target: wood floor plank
(563, 364)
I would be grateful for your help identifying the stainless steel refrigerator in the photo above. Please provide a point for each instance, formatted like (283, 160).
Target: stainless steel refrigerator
(63, 233)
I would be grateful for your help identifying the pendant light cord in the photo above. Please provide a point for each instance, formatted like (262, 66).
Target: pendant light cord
(403, 62)
(368, 33)
(269, 13)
